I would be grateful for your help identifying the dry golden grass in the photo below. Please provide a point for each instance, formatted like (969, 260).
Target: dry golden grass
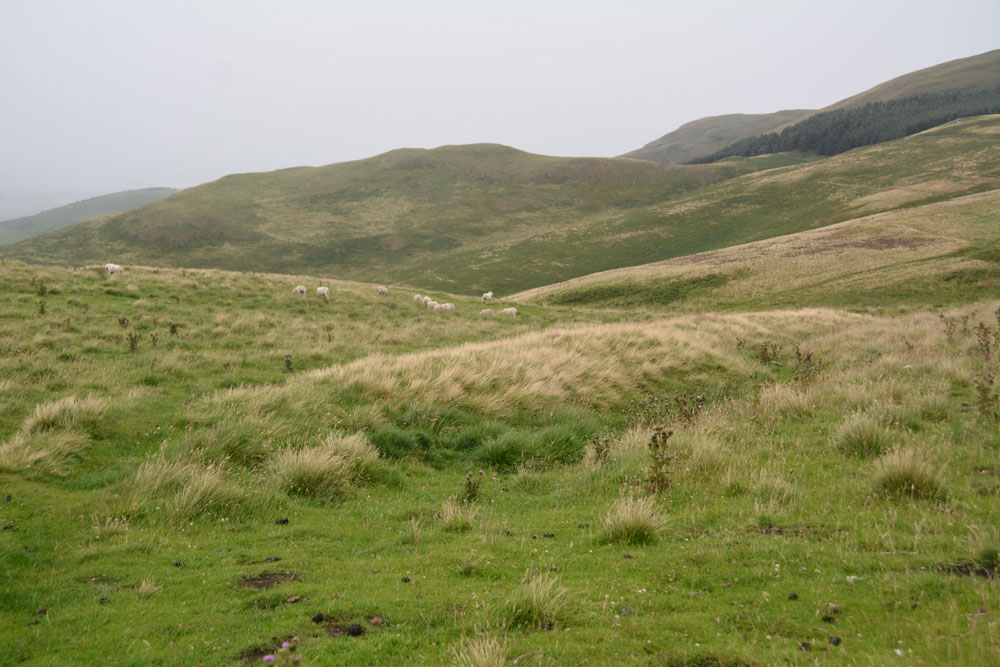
(907, 473)
(632, 521)
(316, 472)
(457, 517)
(539, 602)
(480, 651)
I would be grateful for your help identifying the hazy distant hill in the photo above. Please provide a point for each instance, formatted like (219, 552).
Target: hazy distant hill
(57, 218)
(707, 135)
(710, 138)
(445, 218)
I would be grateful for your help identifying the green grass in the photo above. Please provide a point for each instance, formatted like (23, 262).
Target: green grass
(164, 522)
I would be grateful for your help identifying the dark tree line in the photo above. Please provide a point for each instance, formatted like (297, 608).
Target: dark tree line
(833, 132)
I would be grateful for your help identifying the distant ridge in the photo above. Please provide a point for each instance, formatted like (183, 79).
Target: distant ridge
(707, 135)
(708, 139)
(18, 229)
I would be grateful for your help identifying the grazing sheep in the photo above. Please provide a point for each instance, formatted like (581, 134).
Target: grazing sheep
(417, 297)
(487, 312)
(323, 292)
(112, 268)
(448, 307)
(381, 290)
(509, 311)
(426, 300)
(432, 304)
(299, 289)
(438, 306)
(487, 297)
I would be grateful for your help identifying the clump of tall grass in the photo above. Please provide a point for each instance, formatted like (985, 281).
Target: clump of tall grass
(632, 521)
(179, 490)
(782, 401)
(863, 435)
(314, 472)
(456, 517)
(64, 413)
(772, 489)
(26, 450)
(362, 458)
(539, 602)
(481, 651)
(905, 473)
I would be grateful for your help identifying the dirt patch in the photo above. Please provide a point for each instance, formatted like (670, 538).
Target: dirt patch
(266, 579)
(970, 569)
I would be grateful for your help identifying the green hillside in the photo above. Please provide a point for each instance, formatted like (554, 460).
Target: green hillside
(63, 216)
(402, 216)
(707, 135)
(975, 73)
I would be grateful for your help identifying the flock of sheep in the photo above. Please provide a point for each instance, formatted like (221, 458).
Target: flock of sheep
(380, 290)
(426, 301)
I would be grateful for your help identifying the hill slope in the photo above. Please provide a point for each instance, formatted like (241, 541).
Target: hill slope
(63, 216)
(391, 217)
(707, 135)
(710, 136)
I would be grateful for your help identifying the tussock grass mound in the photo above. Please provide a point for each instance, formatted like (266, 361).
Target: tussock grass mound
(905, 473)
(632, 521)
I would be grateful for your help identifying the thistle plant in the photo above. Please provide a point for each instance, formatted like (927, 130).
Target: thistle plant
(173, 328)
(986, 398)
(768, 352)
(949, 327)
(123, 322)
(658, 472)
(473, 484)
(286, 655)
(682, 408)
(133, 341)
(985, 344)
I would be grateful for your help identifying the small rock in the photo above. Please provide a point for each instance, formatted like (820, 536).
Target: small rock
(548, 535)
(793, 596)
(293, 599)
(405, 580)
(828, 619)
(281, 522)
(42, 612)
(805, 646)
(628, 611)
(318, 617)
(833, 608)
(355, 630)
(272, 559)
(178, 563)
(376, 620)
(853, 578)
(835, 640)
(899, 652)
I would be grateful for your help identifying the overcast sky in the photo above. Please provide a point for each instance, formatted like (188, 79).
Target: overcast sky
(100, 96)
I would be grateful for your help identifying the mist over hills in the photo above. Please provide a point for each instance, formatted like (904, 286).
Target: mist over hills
(63, 216)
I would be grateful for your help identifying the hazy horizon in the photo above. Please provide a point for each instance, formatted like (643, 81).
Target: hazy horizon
(115, 95)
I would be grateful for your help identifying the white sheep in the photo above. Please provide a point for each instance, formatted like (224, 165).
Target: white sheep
(323, 292)
(299, 289)
(417, 297)
(432, 304)
(438, 306)
(448, 307)
(112, 268)
(381, 290)
(487, 297)
(487, 312)
(426, 300)
(509, 311)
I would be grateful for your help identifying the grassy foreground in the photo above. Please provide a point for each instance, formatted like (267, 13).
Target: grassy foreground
(196, 466)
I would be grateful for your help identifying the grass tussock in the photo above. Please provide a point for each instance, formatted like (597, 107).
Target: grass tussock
(863, 435)
(538, 603)
(456, 516)
(906, 473)
(64, 413)
(481, 651)
(49, 449)
(180, 491)
(632, 521)
(315, 472)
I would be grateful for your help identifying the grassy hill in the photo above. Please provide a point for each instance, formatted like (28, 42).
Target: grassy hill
(707, 135)
(980, 72)
(63, 216)
(406, 216)
(197, 466)
(713, 135)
